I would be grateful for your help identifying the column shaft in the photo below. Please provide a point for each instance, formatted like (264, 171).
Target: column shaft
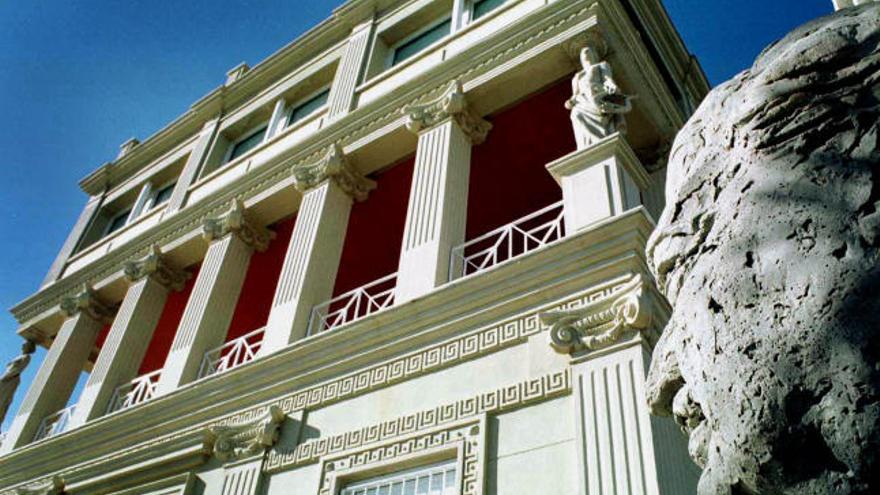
(124, 349)
(55, 380)
(310, 264)
(350, 71)
(193, 165)
(436, 215)
(208, 312)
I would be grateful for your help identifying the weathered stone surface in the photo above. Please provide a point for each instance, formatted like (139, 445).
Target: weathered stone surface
(768, 251)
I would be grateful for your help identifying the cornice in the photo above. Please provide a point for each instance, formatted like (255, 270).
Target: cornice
(98, 181)
(87, 302)
(364, 121)
(333, 166)
(452, 104)
(155, 266)
(237, 221)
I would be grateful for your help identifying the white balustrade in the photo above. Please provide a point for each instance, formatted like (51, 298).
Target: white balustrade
(353, 305)
(526, 234)
(130, 394)
(54, 423)
(232, 354)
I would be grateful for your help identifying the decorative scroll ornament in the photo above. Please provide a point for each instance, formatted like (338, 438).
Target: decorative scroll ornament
(248, 439)
(603, 322)
(451, 104)
(237, 221)
(334, 166)
(86, 301)
(51, 486)
(155, 266)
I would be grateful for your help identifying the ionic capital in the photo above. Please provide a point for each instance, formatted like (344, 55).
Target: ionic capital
(237, 221)
(452, 104)
(601, 323)
(251, 438)
(87, 302)
(333, 165)
(156, 267)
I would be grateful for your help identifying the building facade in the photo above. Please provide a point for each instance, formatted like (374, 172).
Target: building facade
(402, 255)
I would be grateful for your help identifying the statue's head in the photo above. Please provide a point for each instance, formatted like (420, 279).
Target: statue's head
(768, 252)
(590, 54)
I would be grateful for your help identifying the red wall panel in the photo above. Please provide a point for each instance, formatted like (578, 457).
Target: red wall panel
(258, 289)
(508, 178)
(163, 335)
(375, 230)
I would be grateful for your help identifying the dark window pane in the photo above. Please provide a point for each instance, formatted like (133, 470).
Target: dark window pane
(483, 7)
(118, 222)
(308, 107)
(247, 144)
(420, 42)
(163, 195)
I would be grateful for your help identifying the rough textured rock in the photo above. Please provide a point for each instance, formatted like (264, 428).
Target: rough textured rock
(768, 252)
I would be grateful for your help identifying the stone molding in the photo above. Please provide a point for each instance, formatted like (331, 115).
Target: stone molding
(495, 401)
(86, 301)
(346, 130)
(238, 221)
(154, 265)
(452, 104)
(334, 166)
(248, 438)
(601, 323)
(49, 486)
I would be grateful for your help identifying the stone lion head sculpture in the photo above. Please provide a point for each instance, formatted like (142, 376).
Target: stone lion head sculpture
(768, 252)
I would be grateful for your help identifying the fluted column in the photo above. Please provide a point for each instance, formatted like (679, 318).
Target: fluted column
(350, 71)
(437, 211)
(193, 164)
(205, 321)
(151, 279)
(312, 258)
(60, 370)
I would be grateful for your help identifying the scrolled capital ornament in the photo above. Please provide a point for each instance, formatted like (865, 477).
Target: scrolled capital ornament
(155, 266)
(50, 486)
(237, 221)
(333, 166)
(452, 104)
(87, 302)
(602, 323)
(235, 442)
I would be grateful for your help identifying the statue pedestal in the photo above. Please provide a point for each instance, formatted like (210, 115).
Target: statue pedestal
(598, 182)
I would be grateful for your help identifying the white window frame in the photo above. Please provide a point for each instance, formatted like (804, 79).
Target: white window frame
(127, 212)
(151, 202)
(300, 101)
(250, 132)
(469, 11)
(405, 474)
(389, 59)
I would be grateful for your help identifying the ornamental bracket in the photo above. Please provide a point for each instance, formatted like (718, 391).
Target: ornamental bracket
(238, 221)
(452, 104)
(602, 323)
(251, 438)
(156, 267)
(86, 301)
(333, 165)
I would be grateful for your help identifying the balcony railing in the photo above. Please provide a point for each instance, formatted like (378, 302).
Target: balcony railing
(232, 354)
(54, 423)
(353, 305)
(505, 243)
(141, 389)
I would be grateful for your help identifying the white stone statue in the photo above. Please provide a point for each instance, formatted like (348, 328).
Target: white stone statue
(12, 376)
(597, 104)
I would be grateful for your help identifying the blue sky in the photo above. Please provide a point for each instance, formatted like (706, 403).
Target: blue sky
(80, 77)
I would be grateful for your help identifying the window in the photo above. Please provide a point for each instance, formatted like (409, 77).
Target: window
(118, 222)
(419, 42)
(434, 479)
(483, 7)
(162, 195)
(308, 107)
(247, 143)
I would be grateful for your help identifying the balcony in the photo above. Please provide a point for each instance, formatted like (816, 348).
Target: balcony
(353, 305)
(141, 389)
(54, 423)
(232, 354)
(505, 243)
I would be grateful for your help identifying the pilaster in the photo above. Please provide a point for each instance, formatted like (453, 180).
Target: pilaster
(74, 238)
(60, 369)
(436, 215)
(598, 182)
(312, 258)
(193, 164)
(350, 70)
(207, 315)
(151, 279)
